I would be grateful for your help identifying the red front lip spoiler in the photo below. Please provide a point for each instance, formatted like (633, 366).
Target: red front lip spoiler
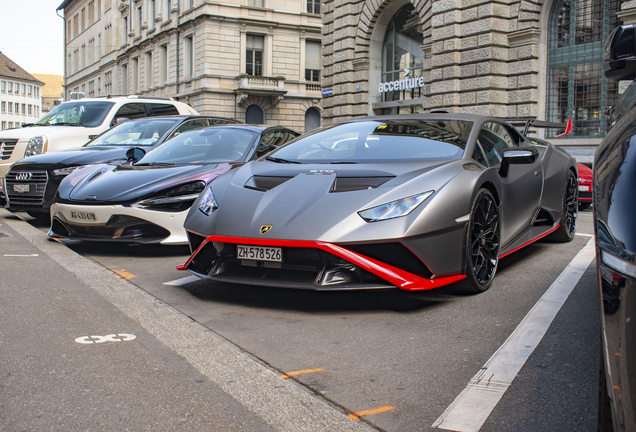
(400, 278)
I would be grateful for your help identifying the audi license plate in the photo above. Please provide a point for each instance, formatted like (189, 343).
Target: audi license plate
(86, 216)
(584, 188)
(21, 188)
(259, 253)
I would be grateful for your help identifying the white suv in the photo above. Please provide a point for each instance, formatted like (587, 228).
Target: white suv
(73, 123)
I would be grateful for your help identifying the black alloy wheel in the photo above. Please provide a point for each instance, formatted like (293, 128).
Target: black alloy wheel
(482, 243)
(567, 229)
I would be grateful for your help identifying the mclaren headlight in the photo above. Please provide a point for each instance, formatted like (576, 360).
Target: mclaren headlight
(394, 209)
(66, 171)
(625, 267)
(175, 199)
(208, 204)
(36, 145)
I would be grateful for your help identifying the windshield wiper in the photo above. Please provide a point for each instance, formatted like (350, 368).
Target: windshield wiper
(156, 164)
(342, 162)
(63, 124)
(280, 160)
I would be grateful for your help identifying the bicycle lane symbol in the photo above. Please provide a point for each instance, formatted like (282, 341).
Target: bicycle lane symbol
(119, 337)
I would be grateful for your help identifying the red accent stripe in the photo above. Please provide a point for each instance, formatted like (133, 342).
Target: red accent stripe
(531, 241)
(568, 129)
(400, 278)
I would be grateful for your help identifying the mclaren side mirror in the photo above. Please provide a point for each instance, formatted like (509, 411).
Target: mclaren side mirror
(518, 156)
(619, 61)
(135, 153)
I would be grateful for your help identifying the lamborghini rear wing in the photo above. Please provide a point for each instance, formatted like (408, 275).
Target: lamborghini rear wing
(528, 123)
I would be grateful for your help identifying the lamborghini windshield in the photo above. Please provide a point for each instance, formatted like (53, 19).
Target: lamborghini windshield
(202, 146)
(143, 132)
(379, 141)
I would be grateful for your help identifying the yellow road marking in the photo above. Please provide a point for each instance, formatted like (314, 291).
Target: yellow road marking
(357, 415)
(288, 374)
(121, 274)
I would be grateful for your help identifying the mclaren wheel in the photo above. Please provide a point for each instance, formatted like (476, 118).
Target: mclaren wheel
(482, 243)
(567, 228)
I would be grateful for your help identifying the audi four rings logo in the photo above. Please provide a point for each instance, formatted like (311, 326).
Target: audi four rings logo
(23, 176)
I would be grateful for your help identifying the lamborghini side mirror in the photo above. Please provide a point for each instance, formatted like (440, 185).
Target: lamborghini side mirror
(135, 153)
(521, 155)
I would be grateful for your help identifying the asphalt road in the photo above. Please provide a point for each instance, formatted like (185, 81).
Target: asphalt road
(222, 357)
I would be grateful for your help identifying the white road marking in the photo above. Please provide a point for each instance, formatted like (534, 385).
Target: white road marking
(471, 408)
(182, 281)
(13, 255)
(108, 338)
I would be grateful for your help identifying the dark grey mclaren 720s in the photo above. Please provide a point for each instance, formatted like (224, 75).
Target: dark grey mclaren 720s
(412, 202)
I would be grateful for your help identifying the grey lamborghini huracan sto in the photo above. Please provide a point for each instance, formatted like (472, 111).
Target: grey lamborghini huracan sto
(413, 202)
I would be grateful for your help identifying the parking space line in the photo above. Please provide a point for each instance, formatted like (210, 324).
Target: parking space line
(182, 281)
(17, 255)
(584, 235)
(471, 408)
(289, 374)
(358, 414)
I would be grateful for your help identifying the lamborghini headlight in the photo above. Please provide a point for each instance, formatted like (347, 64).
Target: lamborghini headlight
(394, 209)
(66, 171)
(36, 145)
(178, 198)
(208, 204)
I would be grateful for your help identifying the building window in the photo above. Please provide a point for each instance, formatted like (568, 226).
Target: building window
(135, 76)
(23, 87)
(30, 109)
(164, 63)
(3, 86)
(23, 109)
(17, 108)
(124, 79)
(10, 108)
(10, 125)
(29, 91)
(313, 6)
(37, 111)
(312, 60)
(140, 19)
(108, 83)
(189, 57)
(10, 88)
(83, 19)
(149, 72)
(401, 52)
(254, 115)
(254, 55)
(312, 119)
(4, 125)
(3, 107)
(75, 25)
(255, 3)
(17, 124)
(577, 87)
(125, 29)
(153, 13)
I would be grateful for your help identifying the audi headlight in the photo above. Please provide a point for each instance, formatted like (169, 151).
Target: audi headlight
(36, 145)
(208, 204)
(178, 198)
(394, 209)
(66, 171)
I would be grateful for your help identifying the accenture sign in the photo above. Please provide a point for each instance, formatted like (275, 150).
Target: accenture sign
(406, 84)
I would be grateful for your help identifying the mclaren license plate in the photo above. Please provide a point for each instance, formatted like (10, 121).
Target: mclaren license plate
(259, 253)
(22, 188)
(84, 216)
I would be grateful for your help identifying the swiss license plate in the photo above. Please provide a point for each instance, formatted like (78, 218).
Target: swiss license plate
(80, 215)
(584, 188)
(259, 253)
(21, 188)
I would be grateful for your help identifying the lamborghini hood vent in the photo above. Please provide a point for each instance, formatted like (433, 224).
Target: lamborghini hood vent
(265, 183)
(346, 184)
(341, 184)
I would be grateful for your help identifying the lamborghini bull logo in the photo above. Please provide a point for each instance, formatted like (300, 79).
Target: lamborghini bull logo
(265, 228)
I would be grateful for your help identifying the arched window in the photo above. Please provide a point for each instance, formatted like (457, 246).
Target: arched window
(254, 115)
(402, 56)
(577, 87)
(312, 119)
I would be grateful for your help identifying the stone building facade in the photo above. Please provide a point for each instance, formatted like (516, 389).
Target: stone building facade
(509, 59)
(253, 60)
